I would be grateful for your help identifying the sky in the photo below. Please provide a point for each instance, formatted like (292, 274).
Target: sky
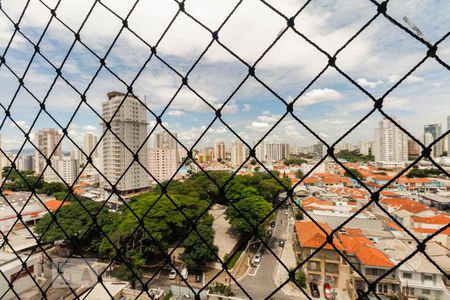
(376, 59)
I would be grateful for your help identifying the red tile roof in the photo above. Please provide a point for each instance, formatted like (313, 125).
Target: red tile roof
(364, 249)
(314, 200)
(53, 205)
(387, 193)
(430, 230)
(311, 236)
(441, 219)
(405, 204)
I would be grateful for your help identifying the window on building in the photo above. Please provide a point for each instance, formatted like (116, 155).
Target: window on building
(407, 275)
(426, 292)
(427, 277)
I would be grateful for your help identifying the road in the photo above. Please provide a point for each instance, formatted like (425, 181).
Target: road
(260, 281)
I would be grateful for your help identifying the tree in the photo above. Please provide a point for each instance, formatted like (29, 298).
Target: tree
(219, 288)
(21, 180)
(50, 188)
(76, 223)
(124, 272)
(163, 223)
(299, 174)
(299, 215)
(196, 251)
(300, 278)
(354, 156)
(355, 173)
(248, 210)
(422, 173)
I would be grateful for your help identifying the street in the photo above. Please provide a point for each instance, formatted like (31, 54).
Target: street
(259, 283)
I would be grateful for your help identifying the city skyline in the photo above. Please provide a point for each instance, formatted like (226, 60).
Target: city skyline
(253, 110)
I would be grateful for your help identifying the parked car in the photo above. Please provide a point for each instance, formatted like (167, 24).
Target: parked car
(286, 212)
(314, 288)
(198, 277)
(269, 233)
(327, 291)
(360, 294)
(272, 224)
(172, 274)
(257, 259)
(184, 273)
(281, 243)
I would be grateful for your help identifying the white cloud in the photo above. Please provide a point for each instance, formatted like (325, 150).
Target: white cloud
(21, 124)
(318, 95)
(269, 118)
(175, 113)
(394, 78)
(90, 128)
(246, 107)
(365, 83)
(258, 125)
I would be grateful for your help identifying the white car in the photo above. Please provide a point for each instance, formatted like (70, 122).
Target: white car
(172, 274)
(257, 259)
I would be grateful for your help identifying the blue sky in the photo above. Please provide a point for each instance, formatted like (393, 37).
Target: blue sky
(376, 60)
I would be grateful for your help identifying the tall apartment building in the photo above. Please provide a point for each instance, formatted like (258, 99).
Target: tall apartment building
(219, 150)
(90, 141)
(348, 146)
(163, 163)
(431, 133)
(130, 126)
(364, 148)
(165, 140)
(413, 149)
(448, 136)
(390, 143)
(272, 152)
(164, 157)
(237, 153)
(66, 167)
(46, 140)
(25, 163)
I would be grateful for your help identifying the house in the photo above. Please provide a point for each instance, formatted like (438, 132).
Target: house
(422, 185)
(418, 277)
(370, 261)
(22, 279)
(402, 209)
(438, 201)
(326, 265)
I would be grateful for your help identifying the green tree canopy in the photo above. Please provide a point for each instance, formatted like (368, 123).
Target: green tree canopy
(354, 156)
(422, 173)
(76, 223)
(50, 188)
(21, 180)
(164, 223)
(251, 210)
(196, 251)
(299, 174)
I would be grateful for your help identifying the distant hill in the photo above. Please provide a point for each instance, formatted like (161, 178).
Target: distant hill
(24, 151)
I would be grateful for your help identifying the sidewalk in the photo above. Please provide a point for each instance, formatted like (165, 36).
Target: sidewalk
(289, 259)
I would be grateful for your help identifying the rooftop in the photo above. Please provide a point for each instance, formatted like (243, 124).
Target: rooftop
(311, 236)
